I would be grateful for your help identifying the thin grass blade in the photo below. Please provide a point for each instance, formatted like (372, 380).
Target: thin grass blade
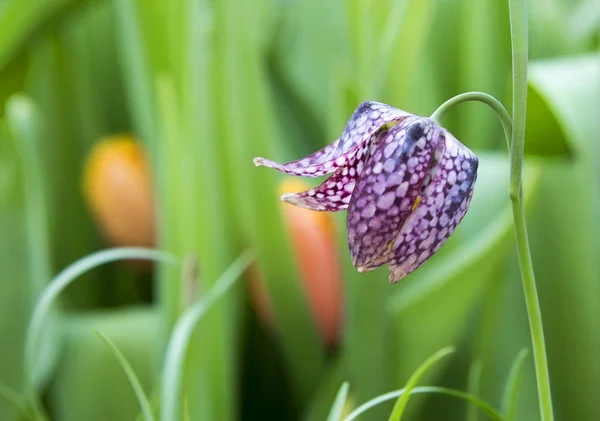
(510, 398)
(492, 413)
(338, 405)
(15, 400)
(172, 396)
(412, 382)
(64, 279)
(473, 386)
(131, 376)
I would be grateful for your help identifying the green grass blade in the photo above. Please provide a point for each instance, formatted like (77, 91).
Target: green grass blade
(473, 386)
(64, 279)
(412, 382)
(88, 384)
(338, 405)
(169, 287)
(23, 20)
(24, 122)
(136, 68)
(510, 397)
(492, 413)
(400, 50)
(247, 112)
(131, 376)
(186, 409)
(181, 335)
(15, 400)
(153, 398)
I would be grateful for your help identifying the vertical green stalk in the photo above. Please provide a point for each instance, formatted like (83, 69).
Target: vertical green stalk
(515, 132)
(519, 43)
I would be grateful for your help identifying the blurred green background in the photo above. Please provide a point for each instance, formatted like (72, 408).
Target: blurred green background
(207, 85)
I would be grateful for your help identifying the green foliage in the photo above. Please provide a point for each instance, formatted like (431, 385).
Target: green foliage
(131, 376)
(511, 392)
(402, 401)
(338, 405)
(173, 371)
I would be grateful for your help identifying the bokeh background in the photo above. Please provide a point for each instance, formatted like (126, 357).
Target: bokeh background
(134, 122)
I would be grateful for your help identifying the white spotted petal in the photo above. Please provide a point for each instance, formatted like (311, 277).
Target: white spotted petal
(333, 194)
(387, 190)
(443, 205)
(367, 119)
(406, 182)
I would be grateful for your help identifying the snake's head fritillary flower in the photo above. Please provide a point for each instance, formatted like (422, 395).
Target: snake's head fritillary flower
(406, 182)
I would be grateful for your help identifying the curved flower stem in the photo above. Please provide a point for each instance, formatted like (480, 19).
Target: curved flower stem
(487, 99)
(515, 139)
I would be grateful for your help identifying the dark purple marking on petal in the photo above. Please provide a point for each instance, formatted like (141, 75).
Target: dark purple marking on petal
(443, 205)
(386, 191)
(368, 117)
(334, 193)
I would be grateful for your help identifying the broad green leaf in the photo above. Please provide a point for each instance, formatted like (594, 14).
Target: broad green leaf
(566, 255)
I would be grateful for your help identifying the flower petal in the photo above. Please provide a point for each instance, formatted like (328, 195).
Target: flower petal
(368, 117)
(315, 165)
(443, 205)
(387, 190)
(333, 194)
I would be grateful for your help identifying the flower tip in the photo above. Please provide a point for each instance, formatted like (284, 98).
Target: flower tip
(258, 161)
(288, 197)
(395, 277)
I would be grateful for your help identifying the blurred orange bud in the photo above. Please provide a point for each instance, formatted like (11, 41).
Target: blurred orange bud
(118, 190)
(314, 245)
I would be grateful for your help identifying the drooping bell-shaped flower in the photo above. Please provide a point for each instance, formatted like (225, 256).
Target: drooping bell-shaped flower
(405, 181)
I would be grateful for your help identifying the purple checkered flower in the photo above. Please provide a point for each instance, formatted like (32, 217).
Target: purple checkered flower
(405, 181)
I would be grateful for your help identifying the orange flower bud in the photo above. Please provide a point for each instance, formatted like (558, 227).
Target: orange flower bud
(118, 190)
(313, 241)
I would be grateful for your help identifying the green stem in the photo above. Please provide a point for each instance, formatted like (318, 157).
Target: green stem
(519, 41)
(533, 309)
(515, 136)
(487, 99)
